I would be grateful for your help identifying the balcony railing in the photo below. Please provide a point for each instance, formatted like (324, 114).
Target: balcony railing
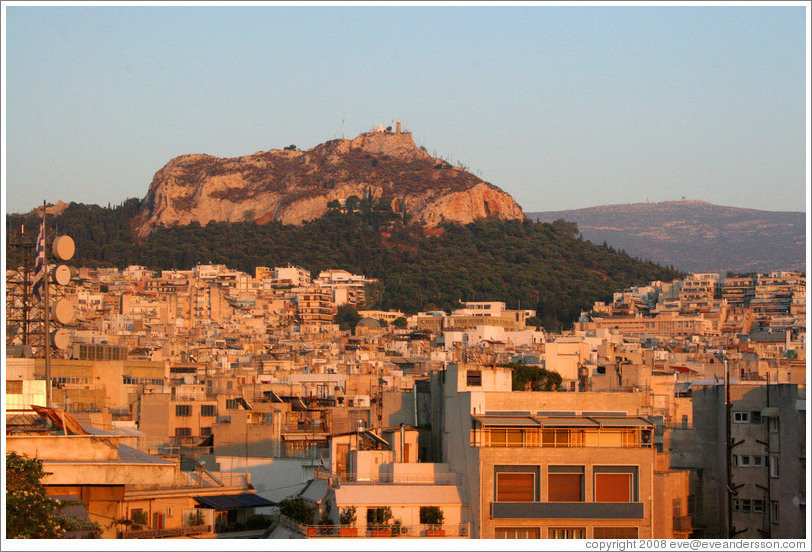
(165, 533)
(561, 438)
(683, 524)
(389, 478)
(196, 480)
(454, 531)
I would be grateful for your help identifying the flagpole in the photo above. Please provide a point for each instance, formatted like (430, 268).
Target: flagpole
(46, 314)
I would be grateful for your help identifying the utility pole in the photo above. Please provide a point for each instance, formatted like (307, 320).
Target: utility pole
(45, 310)
(728, 473)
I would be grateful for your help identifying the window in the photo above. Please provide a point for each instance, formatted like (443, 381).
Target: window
(614, 533)
(757, 461)
(566, 533)
(562, 437)
(506, 437)
(745, 505)
(775, 511)
(428, 514)
(517, 533)
(377, 516)
(565, 484)
(775, 425)
(183, 432)
(204, 431)
(758, 505)
(755, 417)
(773, 466)
(473, 378)
(741, 417)
(516, 483)
(232, 404)
(183, 410)
(744, 461)
(208, 410)
(615, 484)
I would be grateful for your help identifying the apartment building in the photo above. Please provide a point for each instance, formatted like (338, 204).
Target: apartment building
(555, 465)
(118, 482)
(766, 461)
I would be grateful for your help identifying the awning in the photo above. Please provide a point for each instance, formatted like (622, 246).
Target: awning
(770, 412)
(624, 422)
(683, 369)
(233, 502)
(510, 421)
(304, 437)
(573, 421)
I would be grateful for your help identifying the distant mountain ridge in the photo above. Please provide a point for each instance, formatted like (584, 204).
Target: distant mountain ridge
(695, 236)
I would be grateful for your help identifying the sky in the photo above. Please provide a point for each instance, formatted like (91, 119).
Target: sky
(563, 107)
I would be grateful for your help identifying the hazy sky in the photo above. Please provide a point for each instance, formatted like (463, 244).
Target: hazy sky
(562, 107)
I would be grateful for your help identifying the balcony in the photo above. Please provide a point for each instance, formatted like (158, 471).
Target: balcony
(453, 531)
(165, 533)
(193, 480)
(486, 438)
(683, 524)
(389, 478)
(567, 510)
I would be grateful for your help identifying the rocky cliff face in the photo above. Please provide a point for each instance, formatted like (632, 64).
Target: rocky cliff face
(294, 186)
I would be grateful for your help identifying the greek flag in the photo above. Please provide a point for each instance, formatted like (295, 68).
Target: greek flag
(39, 268)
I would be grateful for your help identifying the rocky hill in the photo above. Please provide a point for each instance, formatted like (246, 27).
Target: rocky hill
(695, 236)
(292, 186)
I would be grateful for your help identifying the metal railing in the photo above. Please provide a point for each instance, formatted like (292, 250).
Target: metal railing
(196, 480)
(165, 533)
(389, 478)
(460, 530)
(683, 524)
(535, 438)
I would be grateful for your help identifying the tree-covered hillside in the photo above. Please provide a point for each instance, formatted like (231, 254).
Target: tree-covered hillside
(541, 266)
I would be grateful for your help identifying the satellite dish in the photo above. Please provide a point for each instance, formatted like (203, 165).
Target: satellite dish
(62, 275)
(63, 247)
(60, 339)
(62, 311)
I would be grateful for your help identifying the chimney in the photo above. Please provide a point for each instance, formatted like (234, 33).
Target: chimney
(397, 128)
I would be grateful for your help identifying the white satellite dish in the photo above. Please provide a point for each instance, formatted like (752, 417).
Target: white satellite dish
(62, 311)
(64, 247)
(60, 339)
(62, 275)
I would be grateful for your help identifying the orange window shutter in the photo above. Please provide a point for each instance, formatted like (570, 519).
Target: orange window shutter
(564, 487)
(613, 487)
(515, 487)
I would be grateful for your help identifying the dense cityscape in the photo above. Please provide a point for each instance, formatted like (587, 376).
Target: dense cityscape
(215, 403)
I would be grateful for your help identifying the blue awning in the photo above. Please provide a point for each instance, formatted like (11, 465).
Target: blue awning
(231, 502)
